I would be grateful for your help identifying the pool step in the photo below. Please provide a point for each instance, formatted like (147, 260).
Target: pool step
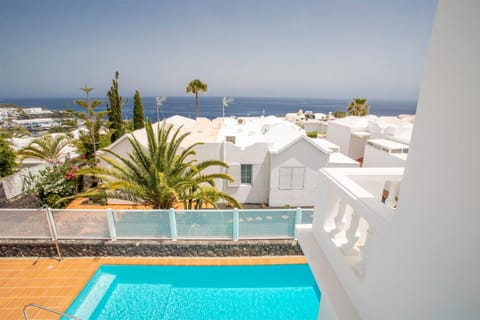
(96, 291)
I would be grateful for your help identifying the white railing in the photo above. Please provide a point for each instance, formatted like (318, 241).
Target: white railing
(172, 224)
(353, 211)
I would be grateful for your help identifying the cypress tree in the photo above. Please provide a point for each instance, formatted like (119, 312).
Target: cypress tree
(138, 115)
(115, 116)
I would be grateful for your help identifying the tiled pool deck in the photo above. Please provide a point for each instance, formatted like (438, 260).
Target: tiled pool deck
(55, 284)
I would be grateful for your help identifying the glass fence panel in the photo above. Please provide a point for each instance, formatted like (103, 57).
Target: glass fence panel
(266, 224)
(24, 224)
(81, 224)
(307, 216)
(142, 224)
(149, 224)
(204, 224)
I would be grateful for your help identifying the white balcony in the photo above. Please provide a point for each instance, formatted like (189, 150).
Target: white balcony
(353, 212)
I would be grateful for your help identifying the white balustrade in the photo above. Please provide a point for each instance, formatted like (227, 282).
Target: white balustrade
(360, 267)
(340, 223)
(352, 236)
(393, 191)
(350, 213)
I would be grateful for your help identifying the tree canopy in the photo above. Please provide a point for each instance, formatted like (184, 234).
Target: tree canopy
(358, 107)
(48, 148)
(194, 87)
(91, 140)
(7, 159)
(160, 173)
(138, 114)
(115, 115)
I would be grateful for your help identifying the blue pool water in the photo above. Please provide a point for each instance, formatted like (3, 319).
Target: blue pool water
(186, 292)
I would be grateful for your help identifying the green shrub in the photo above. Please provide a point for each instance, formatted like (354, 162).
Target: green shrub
(339, 114)
(7, 159)
(52, 184)
(312, 134)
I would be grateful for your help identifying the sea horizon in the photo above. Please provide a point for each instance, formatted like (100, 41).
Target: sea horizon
(211, 106)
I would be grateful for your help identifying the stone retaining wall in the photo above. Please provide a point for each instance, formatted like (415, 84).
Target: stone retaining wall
(151, 248)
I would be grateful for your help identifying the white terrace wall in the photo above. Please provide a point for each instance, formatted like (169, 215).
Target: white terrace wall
(427, 266)
(374, 158)
(211, 151)
(300, 157)
(13, 184)
(340, 135)
(357, 147)
(208, 151)
(257, 155)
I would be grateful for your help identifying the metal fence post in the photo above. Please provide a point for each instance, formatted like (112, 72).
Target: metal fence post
(111, 224)
(236, 218)
(298, 220)
(173, 224)
(53, 231)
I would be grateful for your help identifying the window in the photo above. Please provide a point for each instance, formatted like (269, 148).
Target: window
(241, 174)
(230, 139)
(246, 173)
(291, 178)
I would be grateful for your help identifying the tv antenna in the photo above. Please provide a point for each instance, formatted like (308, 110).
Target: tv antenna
(158, 103)
(225, 103)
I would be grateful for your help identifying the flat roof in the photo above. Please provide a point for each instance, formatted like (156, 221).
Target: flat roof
(361, 134)
(326, 144)
(389, 144)
(277, 132)
(340, 158)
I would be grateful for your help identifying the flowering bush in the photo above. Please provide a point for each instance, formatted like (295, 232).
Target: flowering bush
(53, 183)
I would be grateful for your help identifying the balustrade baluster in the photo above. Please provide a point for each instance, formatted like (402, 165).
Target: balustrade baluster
(339, 220)
(360, 267)
(352, 238)
(391, 200)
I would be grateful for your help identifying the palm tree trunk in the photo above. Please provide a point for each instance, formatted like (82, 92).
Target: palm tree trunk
(196, 103)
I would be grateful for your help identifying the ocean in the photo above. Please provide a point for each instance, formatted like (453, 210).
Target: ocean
(211, 107)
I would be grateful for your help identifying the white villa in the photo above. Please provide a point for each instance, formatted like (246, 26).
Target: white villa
(376, 141)
(415, 258)
(272, 160)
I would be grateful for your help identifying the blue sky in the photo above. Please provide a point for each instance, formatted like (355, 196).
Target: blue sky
(273, 48)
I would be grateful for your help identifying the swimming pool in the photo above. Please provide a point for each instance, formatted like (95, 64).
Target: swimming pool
(197, 292)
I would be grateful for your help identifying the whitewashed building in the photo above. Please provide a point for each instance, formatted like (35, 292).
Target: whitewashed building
(352, 135)
(385, 153)
(414, 257)
(270, 159)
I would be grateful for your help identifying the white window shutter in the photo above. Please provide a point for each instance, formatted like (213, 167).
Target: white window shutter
(285, 178)
(298, 177)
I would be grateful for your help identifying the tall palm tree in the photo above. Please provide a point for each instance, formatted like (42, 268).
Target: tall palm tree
(47, 148)
(194, 87)
(159, 174)
(358, 107)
